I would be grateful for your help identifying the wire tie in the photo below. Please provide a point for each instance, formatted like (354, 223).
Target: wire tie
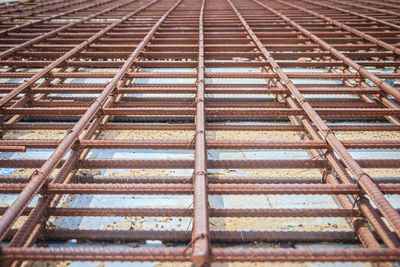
(325, 174)
(38, 172)
(303, 135)
(194, 174)
(201, 236)
(289, 82)
(187, 209)
(328, 132)
(303, 117)
(197, 101)
(194, 138)
(328, 150)
(357, 200)
(100, 112)
(302, 101)
(33, 174)
(285, 97)
(76, 146)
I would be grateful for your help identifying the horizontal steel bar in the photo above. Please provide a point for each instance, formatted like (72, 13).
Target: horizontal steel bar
(90, 179)
(188, 212)
(218, 254)
(189, 89)
(12, 148)
(225, 75)
(210, 127)
(208, 111)
(218, 189)
(187, 144)
(192, 64)
(182, 236)
(215, 55)
(188, 164)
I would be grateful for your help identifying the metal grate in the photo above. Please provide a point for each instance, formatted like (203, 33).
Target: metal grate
(255, 68)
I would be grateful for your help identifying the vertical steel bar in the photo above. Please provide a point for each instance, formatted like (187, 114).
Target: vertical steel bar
(361, 228)
(54, 16)
(358, 68)
(377, 223)
(343, 26)
(362, 178)
(37, 10)
(358, 14)
(200, 234)
(388, 12)
(62, 28)
(71, 52)
(37, 181)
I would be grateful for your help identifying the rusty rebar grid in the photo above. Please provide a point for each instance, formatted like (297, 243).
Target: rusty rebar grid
(210, 68)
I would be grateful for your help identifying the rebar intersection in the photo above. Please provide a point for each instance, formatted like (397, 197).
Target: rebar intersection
(86, 69)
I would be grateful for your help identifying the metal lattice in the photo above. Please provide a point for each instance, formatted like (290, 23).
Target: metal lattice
(314, 68)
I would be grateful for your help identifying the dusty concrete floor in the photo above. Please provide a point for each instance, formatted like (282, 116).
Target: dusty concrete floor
(228, 224)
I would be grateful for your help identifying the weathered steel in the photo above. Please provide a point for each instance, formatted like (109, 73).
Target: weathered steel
(201, 78)
(189, 164)
(219, 254)
(37, 181)
(362, 178)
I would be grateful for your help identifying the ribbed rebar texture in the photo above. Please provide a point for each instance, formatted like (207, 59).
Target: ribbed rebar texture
(225, 130)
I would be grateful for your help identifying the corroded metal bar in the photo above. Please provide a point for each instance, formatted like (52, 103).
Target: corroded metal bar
(187, 144)
(189, 164)
(26, 85)
(225, 75)
(218, 189)
(215, 236)
(84, 89)
(54, 32)
(53, 16)
(12, 148)
(395, 26)
(295, 255)
(200, 234)
(302, 213)
(368, 8)
(37, 9)
(217, 55)
(363, 231)
(208, 111)
(344, 26)
(362, 178)
(358, 68)
(105, 254)
(38, 180)
(218, 254)
(210, 127)
(258, 104)
(89, 179)
(192, 64)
